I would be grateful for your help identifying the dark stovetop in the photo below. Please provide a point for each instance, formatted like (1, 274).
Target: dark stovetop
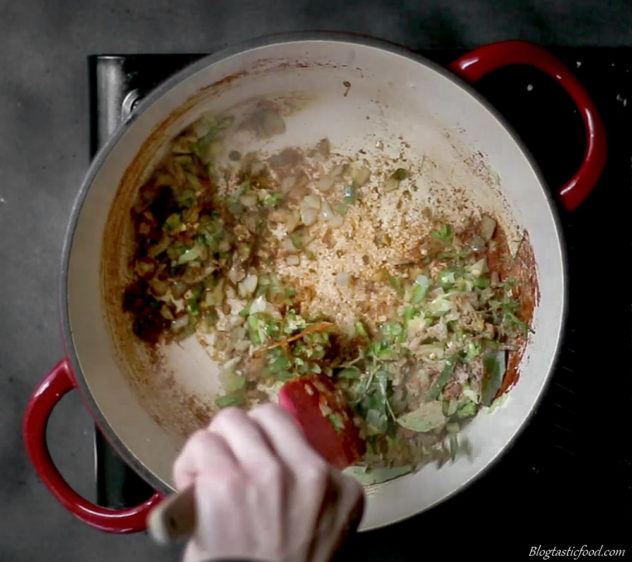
(567, 480)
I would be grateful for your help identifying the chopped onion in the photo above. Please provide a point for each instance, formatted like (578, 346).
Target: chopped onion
(258, 305)
(337, 171)
(248, 285)
(477, 244)
(288, 245)
(145, 267)
(360, 175)
(391, 184)
(180, 323)
(325, 183)
(287, 183)
(332, 218)
(160, 247)
(477, 269)
(293, 260)
(178, 289)
(159, 287)
(249, 199)
(236, 273)
(309, 207)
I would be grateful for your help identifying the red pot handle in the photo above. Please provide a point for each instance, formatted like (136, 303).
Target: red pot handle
(48, 393)
(475, 64)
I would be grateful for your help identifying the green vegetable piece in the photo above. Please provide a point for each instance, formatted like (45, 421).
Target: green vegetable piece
(467, 410)
(231, 381)
(234, 206)
(420, 289)
(427, 417)
(234, 155)
(495, 367)
(401, 173)
(350, 194)
(360, 329)
(173, 223)
(409, 314)
(232, 399)
(393, 331)
(195, 252)
(186, 198)
(369, 477)
(336, 421)
(452, 427)
(397, 285)
(377, 422)
(441, 381)
(284, 376)
(193, 304)
(350, 373)
(472, 350)
(273, 199)
(444, 234)
(255, 329)
(297, 241)
(446, 278)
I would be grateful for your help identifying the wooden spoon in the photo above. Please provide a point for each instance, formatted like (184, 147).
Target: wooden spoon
(327, 421)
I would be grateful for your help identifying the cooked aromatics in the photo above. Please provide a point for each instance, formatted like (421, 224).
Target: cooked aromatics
(233, 248)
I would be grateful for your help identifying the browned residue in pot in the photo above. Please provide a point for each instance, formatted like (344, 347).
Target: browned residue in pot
(520, 268)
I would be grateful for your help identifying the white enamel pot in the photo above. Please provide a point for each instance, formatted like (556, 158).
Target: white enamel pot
(357, 91)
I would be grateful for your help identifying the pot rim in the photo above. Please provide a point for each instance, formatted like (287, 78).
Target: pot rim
(267, 41)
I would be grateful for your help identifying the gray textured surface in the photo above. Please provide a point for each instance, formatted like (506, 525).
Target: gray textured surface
(44, 154)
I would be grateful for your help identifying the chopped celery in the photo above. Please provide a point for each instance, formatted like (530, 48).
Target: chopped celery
(495, 367)
(349, 194)
(173, 223)
(236, 398)
(443, 378)
(420, 289)
(349, 373)
(361, 329)
(444, 234)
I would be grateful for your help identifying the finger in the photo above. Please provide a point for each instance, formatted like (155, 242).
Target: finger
(203, 452)
(247, 442)
(337, 520)
(285, 436)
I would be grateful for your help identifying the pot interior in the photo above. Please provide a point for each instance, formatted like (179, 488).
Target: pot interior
(360, 97)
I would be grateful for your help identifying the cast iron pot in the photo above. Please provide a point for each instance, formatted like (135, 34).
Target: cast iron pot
(358, 90)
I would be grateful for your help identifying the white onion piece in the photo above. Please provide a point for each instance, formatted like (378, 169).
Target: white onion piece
(391, 184)
(258, 305)
(236, 273)
(180, 323)
(248, 285)
(309, 207)
(325, 183)
(293, 260)
(360, 175)
(289, 246)
(248, 200)
(287, 183)
(328, 215)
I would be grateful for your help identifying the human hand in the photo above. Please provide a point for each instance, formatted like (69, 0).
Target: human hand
(261, 491)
